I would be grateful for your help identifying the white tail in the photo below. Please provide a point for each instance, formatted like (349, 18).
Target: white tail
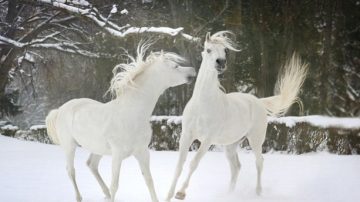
(50, 126)
(287, 87)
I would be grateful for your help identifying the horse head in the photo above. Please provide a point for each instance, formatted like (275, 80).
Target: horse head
(216, 48)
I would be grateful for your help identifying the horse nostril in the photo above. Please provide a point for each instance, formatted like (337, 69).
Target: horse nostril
(220, 62)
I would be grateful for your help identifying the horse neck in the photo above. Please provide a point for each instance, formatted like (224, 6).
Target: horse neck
(207, 83)
(144, 95)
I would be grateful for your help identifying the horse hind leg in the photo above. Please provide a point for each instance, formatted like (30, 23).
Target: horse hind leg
(233, 159)
(256, 140)
(93, 164)
(70, 155)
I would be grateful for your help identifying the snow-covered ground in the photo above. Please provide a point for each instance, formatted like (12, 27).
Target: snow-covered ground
(36, 172)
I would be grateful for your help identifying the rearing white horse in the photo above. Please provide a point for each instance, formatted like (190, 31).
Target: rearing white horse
(214, 117)
(120, 127)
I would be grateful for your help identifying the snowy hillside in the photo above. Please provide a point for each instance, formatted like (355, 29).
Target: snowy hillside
(36, 172)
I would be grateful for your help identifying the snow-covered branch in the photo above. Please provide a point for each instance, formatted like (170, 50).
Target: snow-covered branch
(112, 28)
(68, 47)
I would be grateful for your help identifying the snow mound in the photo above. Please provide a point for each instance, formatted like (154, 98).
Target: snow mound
(9, 127)
(291, 121)
(169, 119)
(319, 121)
(37, 127)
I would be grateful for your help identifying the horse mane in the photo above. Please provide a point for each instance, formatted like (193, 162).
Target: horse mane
(221, 37)
(126, 73)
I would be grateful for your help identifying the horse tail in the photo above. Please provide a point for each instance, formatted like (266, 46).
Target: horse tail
(287, 87)
(50, 126)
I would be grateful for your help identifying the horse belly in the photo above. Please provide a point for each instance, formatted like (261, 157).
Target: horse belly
(229, 136)
(95, 143)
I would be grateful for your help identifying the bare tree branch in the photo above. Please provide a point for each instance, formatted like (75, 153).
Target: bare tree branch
(115, 30)
(63, 46)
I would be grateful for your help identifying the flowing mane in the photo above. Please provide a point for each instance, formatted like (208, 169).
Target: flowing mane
(126, 73)
(222, 38)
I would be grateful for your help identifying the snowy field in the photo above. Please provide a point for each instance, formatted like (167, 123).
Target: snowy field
(36, 172)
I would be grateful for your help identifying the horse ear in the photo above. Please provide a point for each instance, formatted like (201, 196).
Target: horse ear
(207, 37)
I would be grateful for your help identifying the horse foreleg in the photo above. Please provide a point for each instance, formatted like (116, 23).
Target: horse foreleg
(233, 159)
(93, 164)
(193, 165)
(116, 165)
(256, 146)
(143, 159)
(70, 154)
(184, 145)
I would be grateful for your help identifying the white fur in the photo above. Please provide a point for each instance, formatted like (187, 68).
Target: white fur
(214, 117)
(120, 127)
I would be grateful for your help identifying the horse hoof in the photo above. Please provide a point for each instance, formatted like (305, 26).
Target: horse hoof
(180, 195)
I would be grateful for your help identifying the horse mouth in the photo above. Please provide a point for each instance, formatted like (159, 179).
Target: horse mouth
(221, 69)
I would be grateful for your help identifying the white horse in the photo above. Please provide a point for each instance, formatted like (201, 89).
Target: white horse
(120, 127)
(214, 117)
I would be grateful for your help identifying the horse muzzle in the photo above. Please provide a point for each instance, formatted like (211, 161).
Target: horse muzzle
(221, 69)
(190, 78)
(221, 65)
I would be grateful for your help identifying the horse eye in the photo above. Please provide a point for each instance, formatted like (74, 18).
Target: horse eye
(226, 50)
(208, 50)
(176, 66)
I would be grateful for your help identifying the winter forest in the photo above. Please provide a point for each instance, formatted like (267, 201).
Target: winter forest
(52, 51)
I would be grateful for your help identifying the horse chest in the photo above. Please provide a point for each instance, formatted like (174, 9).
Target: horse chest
(206, 125)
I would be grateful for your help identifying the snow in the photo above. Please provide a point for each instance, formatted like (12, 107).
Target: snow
(9, 127)
(36, 172)
(169, 119)
(28, 57)
(124, 12)
(3, 123)
(290, 121)
(114, 9)
(37, 127)
(6, 40)
(75, 2)
(319, 121)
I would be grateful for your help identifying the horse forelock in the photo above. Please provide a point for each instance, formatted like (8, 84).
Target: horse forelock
(222, 38)
(125, 73)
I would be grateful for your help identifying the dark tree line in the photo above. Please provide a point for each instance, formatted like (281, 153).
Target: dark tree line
(324, 32)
